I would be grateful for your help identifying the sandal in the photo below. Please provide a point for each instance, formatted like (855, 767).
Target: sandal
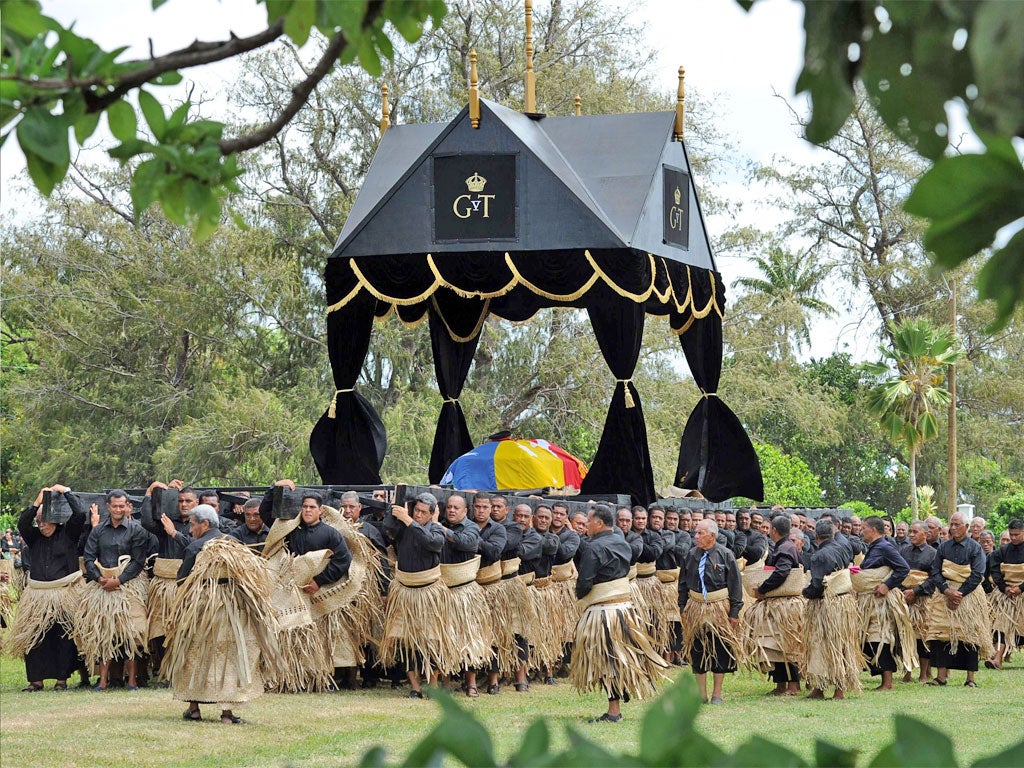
(231, 719)
(493, 690)
(472, 692)
(192, 714)
(32, 688)
(935, 682)
(970, 684)
(58, 686)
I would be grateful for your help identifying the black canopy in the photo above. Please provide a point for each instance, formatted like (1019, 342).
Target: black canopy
(454, 223)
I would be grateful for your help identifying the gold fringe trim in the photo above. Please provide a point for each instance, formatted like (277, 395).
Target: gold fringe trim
(832, 657)
(611, 652)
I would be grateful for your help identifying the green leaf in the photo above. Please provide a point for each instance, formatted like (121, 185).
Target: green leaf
(375, 757)
(826, 754)
(916, 744)
(668, 723)
(178, 116)
(1012, 756)
(167, 78)
(122, 121)
(368, 58)
(44, 174)
(171, 195)
(583, 753)
(158, 3)
(535, 745)
(129, 149)
(928, 426)
(829, 28)
(24, 17)
(758, 752)
(45, 135)
(1002, 279)
(998, 57)
(348, 17)
(153, 113)
(462, 735)
(85, 126)
(299, 21)
(146, 184)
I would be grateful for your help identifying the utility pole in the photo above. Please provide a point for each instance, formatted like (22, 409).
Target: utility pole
(951, 469)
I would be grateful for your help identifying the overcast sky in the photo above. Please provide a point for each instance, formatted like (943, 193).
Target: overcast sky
(743, 58)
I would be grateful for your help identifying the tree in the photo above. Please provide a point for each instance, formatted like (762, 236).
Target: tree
(787, 479)
(913, 58)
(790, 285)
(54, 81)
(908, 394)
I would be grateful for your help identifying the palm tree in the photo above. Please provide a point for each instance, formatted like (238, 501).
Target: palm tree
(789, 285)
(909, 387)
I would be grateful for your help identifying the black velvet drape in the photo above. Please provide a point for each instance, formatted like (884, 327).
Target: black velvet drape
(349, 447)
(623, 461)
(452, 360)
(715, 453)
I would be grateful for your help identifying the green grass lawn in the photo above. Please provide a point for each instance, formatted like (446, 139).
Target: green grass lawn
(145, 728)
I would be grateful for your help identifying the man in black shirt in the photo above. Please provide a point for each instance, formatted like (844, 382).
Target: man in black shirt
(115, 554)
(916, 589)
(1007, 566)
(710, 598)
(610, 650)
(252, 531)
(960, 626)
(39, 635)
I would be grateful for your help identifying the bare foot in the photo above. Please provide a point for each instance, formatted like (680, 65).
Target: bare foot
(838, 695)
(817, 693)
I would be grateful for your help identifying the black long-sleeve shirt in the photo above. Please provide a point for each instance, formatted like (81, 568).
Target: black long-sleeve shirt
(513, 540)
(188, 557)
(172, 547)
(418, 547)
(720, 572)
(309, 538)
(491, 543)
(548, 550)
(533, 548)
(461, 541)
(54, 556)
(964, 552)
(739, 542)
(756, 546)
(882, 552)
(605, 558)
(252, 539)
(654, 544)
(920, 559)
(668, 559)
(784, 558)
(636, 546)
(1011, 554)
(568, 543)
(829, 557)
(108, 542)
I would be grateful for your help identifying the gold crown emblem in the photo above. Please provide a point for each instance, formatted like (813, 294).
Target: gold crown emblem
(476, 182)
(678, 195)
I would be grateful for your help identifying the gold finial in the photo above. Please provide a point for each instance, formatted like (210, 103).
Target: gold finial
(531, 79)
(677, 135)
(474, 93)
(578, 102)
(385, 110)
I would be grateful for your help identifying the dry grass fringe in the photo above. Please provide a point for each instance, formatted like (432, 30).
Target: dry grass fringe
(611, 652)
(471, 632)
(416, 629)
(710, 621)
(970, 623)
(38, 610)
(107, 624)
(774, 624)
(832, 656)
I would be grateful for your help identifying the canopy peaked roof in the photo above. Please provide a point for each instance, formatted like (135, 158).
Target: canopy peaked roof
(543, 184)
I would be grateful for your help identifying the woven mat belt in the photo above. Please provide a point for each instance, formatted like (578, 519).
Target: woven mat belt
(489, 574)
(838, 583)
(418, 578)
(954, 572)
(65, 581)
(1013, 573)
(668, 575)
(541, 582)
(113, 573)
(867, 580)
(915, 579)
(713, 597)
(166, 568)
(510, 567)
(632, 572)
(646, 570)
(615, 591)
(563, 572)
(460, 574)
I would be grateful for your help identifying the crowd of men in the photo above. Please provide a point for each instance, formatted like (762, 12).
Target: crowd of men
(222, 600)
